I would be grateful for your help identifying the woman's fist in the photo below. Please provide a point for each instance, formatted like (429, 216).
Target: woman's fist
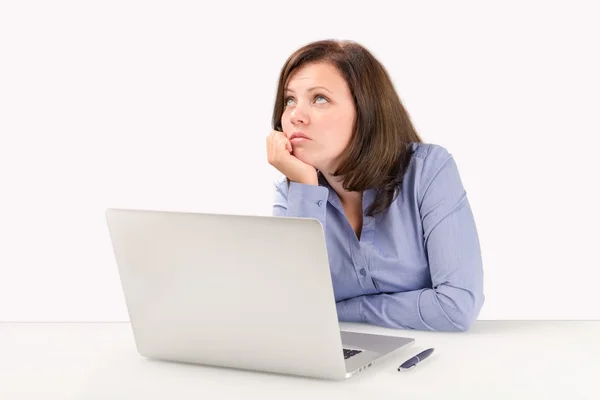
(279, 155)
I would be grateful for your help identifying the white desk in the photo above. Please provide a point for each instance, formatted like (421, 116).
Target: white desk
(494, 360)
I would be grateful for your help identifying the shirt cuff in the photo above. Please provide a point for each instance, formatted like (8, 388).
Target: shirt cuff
(307, 201)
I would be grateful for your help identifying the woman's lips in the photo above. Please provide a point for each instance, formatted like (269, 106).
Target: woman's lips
(299, 139)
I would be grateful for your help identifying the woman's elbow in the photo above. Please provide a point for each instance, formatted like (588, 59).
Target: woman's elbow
(463, 318)
(463, 322)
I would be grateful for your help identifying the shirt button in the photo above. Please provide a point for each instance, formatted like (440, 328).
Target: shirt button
(363, 272)
(320, 203)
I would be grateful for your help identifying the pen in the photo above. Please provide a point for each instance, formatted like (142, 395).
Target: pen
(415, 360)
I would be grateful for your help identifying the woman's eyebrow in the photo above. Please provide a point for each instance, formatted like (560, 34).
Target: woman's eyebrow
(309, 89)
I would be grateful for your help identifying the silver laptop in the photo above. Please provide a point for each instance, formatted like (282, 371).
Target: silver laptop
(249, 292)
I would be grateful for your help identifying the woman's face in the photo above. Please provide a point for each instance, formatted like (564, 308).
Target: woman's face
(318, 103)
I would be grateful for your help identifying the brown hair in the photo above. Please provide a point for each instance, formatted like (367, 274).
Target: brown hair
(379, 151)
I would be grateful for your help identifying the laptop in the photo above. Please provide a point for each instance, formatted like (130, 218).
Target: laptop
(237, 291)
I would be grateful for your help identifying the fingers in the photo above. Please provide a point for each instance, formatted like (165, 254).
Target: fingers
(277, 141)
(271, 143)
(284, 139)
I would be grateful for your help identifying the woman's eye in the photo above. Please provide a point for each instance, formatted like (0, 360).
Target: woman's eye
(290, 98)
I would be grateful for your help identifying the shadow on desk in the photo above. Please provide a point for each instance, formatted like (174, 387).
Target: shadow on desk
(518, 326)
(481, 327)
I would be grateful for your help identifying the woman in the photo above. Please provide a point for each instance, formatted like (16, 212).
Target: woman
(401, 238)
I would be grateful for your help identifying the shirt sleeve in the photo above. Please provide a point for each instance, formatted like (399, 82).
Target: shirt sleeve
(300, 200)
(453, 250)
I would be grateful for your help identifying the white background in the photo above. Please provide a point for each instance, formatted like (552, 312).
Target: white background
(167, 106)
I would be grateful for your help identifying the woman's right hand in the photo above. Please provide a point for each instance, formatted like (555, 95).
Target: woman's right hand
(279, 155)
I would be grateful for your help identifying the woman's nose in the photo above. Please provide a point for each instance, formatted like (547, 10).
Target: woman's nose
(298, 115)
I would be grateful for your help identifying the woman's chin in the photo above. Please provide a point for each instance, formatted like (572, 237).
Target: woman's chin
(305, 160)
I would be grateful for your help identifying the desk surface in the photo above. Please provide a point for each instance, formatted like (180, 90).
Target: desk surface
(494, 360)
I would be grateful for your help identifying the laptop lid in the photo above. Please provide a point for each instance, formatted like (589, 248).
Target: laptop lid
(251, 292)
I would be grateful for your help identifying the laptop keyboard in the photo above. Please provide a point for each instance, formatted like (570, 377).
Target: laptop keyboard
(349, 353)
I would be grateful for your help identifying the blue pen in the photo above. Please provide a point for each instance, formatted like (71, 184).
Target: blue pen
(415, 360)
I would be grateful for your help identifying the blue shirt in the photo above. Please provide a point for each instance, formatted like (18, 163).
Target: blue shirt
(417, 265)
